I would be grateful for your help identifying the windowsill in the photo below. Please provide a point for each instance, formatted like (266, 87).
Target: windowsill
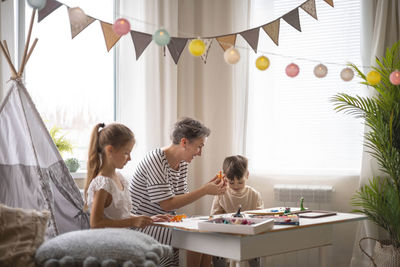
(79, 178)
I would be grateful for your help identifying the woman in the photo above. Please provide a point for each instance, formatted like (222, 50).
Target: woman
(159, 184)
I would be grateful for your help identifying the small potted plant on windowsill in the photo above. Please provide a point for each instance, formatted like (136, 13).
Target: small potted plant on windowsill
(379, 199)
(64, 145)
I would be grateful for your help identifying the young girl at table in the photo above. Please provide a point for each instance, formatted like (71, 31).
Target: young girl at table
(106, 190)
(238, 193)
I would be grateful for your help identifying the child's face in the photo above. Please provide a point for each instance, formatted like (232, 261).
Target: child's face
(237, 184)
(121, 156)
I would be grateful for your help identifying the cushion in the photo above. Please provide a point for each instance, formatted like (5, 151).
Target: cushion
(105, 247)
(21, 233)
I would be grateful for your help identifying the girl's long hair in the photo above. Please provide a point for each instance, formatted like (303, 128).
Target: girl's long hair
(116, 135)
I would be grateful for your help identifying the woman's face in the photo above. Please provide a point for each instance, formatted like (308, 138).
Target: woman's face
(193, 148)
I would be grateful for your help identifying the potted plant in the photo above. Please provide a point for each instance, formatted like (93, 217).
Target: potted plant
(64, 145)
(379, 199)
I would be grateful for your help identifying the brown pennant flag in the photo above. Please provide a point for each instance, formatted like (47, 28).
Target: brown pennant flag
(176, 46)
(78, 26)
(251, 36)
(272, 29)
(141, 41)
(330, 2)
(309, 7)
(293, 19)
(50, 6)
(208, 43)
(110, 36)
(226, 41)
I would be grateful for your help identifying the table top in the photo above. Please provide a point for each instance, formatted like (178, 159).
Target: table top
(190, 224)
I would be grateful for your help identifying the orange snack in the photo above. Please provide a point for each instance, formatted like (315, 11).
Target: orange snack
(178, 218)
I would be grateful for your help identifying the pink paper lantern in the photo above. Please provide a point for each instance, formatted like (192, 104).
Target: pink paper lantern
(292, 70)
(121, 26)
(395, 77)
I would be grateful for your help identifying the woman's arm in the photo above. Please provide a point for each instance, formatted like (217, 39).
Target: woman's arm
(97, 219)
(216, 186)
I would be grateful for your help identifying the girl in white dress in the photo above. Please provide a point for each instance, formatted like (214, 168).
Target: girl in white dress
(106, 191)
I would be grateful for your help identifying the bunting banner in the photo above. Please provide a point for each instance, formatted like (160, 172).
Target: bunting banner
(208, 43)
(177, 45)
(140, 41)
(292, 18)
(309, 7)
(251, 36)
(272, 29)
(110, 36)
(50, 6)
(78, 26)
(330, 2)
(226, 41)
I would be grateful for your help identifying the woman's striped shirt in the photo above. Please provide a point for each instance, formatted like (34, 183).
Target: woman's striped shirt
(153, 181)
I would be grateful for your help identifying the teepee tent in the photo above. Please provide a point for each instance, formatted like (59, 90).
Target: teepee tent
(32, 173)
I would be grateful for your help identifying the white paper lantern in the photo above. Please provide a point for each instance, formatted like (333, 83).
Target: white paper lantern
(232, 56)
(320, 71)
(347, 74)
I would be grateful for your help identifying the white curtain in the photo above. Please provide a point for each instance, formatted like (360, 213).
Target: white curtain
(6, 33)
(153, 92)
(381, 20)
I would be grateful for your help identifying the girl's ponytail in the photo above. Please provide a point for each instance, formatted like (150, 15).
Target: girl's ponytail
(94, 158)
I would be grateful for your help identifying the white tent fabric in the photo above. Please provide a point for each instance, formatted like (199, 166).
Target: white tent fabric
(32, 173)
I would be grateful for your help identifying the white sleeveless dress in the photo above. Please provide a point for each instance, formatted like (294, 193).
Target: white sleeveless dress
(121, 205)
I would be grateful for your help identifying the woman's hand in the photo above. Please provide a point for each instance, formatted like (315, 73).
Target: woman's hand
(216, 186)
(162, 217)
(141, 221)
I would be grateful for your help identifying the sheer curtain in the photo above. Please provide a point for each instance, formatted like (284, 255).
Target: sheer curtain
(381, 20)
(146, 99)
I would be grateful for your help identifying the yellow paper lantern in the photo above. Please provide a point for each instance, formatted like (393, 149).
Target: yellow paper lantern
(262, 63)
(197, 47)
(373, 77)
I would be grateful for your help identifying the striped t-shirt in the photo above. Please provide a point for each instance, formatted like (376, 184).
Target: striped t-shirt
(153, 181)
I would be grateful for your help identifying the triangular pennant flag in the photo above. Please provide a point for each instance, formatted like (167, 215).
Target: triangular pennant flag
(251, 36)
(50, 6)
(293, 19)
(272, 29)
(110, 36)
(226, 41)
(208, 43)
(309, 7)
(176, 46)
(330, 2)
(78, 26)
(141, 41)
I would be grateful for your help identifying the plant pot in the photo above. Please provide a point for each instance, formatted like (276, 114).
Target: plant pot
(385, 254)
(72, 164)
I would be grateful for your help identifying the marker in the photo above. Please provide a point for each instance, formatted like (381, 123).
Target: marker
(220, 174)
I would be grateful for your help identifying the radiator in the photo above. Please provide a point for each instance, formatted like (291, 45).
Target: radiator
(315, 196)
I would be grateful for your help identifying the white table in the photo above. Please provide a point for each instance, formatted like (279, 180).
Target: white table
(311, 233)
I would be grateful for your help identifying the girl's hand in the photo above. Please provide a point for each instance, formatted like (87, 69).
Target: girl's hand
(162, 217)
(216, 186)
(141, 221)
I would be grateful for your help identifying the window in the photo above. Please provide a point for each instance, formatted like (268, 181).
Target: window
(291, 125)
(72, 81)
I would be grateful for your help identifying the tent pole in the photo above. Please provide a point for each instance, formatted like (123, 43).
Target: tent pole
(13, 70)
(31, 50)
(28, 39)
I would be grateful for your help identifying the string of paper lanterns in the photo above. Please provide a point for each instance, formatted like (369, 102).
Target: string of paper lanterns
(197, 48)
